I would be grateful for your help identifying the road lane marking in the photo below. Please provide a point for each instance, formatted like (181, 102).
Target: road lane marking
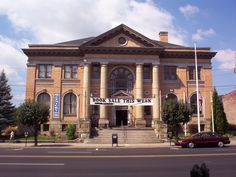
(68, 152)
(33, 164)
(119, 156)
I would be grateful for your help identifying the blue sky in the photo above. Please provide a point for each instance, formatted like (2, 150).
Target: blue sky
(208, 23)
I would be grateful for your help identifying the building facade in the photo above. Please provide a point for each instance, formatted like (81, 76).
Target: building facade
(77, 78)
(229, 103)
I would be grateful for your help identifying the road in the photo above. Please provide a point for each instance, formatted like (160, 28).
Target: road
(125, 162)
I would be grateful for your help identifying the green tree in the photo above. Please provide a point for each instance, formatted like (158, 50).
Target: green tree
(70, 131)
(33, 114)
(220, 121)
(174, 113)
(6, 107)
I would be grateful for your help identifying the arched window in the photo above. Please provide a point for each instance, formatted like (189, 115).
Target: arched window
(193, 103)
(44, 98)
(69, 104)
(121, 79)
(171, 96)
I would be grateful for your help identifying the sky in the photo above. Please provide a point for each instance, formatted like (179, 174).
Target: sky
(208, 23)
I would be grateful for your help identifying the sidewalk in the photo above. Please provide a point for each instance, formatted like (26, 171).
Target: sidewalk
(84, 145)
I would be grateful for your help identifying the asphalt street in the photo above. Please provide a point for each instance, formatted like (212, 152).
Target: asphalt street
(125, 162)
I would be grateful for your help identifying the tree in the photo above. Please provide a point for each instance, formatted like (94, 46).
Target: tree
(33, 114)
(6, 107)
(220, 121)
(174, 113)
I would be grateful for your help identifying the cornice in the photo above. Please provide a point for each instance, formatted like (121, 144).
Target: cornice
(52, 52)
(187, 54)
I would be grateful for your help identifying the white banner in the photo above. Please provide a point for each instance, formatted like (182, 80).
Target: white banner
(121, 101)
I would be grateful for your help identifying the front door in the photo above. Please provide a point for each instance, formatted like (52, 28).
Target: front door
(121, 118)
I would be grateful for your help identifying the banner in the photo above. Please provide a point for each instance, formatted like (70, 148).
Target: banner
(56, 106)
(121, 101)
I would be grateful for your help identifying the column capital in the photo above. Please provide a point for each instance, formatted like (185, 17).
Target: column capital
(139, 64)
(156, 65)
(104, 63)
(86, 62)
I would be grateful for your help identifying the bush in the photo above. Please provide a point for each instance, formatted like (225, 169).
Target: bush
(70, 131)
(8, 130)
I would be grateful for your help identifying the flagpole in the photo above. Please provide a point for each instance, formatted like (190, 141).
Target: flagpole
(196, 78)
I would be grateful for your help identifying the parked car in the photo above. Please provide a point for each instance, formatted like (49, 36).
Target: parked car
(203, 139)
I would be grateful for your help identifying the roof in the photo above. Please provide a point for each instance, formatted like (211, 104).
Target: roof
(92, 45)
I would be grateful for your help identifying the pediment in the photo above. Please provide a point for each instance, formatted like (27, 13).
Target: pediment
(121, 36)
(121, 94)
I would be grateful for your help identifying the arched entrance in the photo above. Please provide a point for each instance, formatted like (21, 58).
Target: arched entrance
(121, 84)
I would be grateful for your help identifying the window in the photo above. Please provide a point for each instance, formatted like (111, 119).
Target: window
(69, 106)
(147, 72)
(44, 98)
(193, 103)
(192, 73)
(170, 73)
(70, 71)
(45, 71)
(121, 79)
(147, 110)
(95, 71)
(172, 97)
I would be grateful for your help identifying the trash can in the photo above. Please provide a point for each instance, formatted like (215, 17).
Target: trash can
(114, 139)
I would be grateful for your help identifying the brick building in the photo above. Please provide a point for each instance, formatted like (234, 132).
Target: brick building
(229, 103)
(135, 72)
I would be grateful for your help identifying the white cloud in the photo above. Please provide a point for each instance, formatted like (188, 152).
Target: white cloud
(226, 59)
(201, 34)
(56, 21)
(13, 62)
(188, 10)
(72, 19)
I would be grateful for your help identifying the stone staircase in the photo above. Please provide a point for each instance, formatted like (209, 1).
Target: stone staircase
(126, 135)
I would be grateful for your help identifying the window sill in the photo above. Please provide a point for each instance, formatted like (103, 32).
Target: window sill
(44, 79)
(69, 115)
(195, 115)
(194, 82)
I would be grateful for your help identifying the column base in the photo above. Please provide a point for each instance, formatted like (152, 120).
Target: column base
(84, 129)
(154, 122)
(161, 129)
(103, 123)
(140, 123)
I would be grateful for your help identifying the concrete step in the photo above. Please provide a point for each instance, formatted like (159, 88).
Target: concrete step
(125, 136)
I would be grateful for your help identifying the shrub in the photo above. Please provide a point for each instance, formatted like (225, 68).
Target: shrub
(70, 131)
(8, 130)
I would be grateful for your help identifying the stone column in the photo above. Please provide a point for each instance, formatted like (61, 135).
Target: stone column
(86, 90)
(103, 121)
(139, 122)
(84, 129)
(155, 94)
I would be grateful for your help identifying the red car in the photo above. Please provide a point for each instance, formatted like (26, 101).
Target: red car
(203, 139)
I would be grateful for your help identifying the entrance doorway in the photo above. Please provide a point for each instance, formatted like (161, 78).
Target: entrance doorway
(121, 117)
